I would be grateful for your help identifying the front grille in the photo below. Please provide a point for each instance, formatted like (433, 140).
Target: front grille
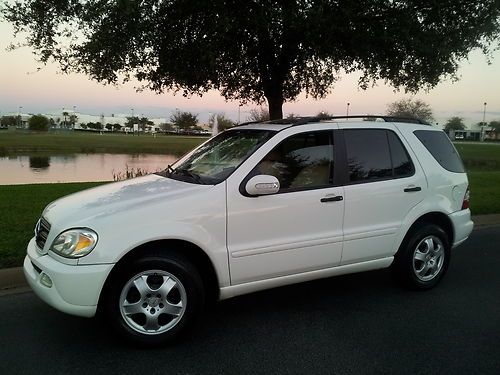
(42, 232)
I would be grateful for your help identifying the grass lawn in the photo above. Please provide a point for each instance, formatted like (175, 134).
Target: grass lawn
(480, 157)
(14, 142)
(485, 192)
(21, 206)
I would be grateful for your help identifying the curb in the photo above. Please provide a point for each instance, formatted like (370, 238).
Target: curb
(12, 280)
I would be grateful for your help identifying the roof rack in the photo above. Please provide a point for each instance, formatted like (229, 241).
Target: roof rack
(306, 120)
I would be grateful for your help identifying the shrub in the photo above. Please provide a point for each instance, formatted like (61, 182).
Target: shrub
(38, 123)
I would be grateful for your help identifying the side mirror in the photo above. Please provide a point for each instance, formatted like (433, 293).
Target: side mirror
(262, 184)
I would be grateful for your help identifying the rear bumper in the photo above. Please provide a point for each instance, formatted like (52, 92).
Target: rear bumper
(462, 226)
(74, 289)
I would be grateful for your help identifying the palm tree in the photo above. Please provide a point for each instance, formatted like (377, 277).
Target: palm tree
(65, 114)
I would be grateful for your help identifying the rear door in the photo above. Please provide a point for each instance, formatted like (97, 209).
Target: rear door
(382, 184)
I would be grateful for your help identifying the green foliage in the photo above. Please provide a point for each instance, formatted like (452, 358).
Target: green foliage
(141, 121)
(223, 122)
(409, 108)
(184, 120)
(167, 127)
(73, 119)
(131, 121)
(10, 120)
(94, 125)
(495, 125)
(65, 119)
(324, 114)
(454, 123)
(38, 123)
(253, 51)
(258, 114)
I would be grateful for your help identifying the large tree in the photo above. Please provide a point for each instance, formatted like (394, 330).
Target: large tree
(185, 121)
(454, 123)
(38, 123)
(253, 51)
(409, 108)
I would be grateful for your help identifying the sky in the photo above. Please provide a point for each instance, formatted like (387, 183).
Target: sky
(49, 91)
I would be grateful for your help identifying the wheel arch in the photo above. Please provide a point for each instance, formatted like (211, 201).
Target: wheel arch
(438, 218)
(186, 249)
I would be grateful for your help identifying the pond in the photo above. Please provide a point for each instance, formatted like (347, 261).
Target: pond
(78, 167)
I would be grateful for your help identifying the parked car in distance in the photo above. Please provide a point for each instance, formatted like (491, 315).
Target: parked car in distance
(258, 206)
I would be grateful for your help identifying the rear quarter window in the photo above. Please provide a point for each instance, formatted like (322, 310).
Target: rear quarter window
(441, 148)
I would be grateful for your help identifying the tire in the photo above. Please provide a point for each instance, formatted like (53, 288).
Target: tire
(423, 258)
(152, 300)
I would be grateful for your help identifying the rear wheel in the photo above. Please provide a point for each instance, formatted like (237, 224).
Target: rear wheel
(423, 258)
(152, 300)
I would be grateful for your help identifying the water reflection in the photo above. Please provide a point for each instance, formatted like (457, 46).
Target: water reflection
(38, 163)
(76, 167)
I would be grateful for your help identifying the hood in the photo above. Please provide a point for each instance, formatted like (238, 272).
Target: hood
(118, 197)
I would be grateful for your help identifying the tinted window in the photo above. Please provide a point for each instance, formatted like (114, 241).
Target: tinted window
(302, 161)
(401, 161)
(441, 148)
(368, 155)
(376, 154)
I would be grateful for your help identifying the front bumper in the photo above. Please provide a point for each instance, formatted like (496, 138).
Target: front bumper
(75, 289)
(462, 226)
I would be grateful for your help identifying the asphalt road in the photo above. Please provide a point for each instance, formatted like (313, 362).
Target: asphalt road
(355, 324)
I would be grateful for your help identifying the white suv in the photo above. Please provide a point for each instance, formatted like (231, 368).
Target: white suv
(256, 207)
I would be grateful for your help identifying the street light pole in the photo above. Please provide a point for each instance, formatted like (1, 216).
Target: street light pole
(483, 124)
(19, 115)
(347, 112)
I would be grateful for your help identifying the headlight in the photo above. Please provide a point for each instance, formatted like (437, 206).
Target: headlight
(74, 243)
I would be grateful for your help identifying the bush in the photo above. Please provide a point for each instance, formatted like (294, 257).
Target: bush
(38, 123)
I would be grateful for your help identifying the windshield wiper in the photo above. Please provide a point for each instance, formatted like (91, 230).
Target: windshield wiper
(188, 173)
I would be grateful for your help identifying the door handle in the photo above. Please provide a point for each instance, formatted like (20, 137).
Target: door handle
(336, 198)
(412, 188)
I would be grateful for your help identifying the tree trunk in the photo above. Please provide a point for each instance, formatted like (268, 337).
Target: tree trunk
(275, 103)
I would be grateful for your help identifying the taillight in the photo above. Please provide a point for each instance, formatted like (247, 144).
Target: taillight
(465, 202)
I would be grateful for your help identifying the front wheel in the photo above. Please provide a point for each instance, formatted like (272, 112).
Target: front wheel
(423, 258)
(152, 300)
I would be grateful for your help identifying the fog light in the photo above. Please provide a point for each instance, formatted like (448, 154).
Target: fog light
(46, 280)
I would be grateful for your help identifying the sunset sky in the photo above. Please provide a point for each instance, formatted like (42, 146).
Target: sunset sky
(48, 91)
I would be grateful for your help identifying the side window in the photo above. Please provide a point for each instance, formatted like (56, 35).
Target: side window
(376, 154)
(441, 148)
(302, 161)
(401, 162)
(368, 155)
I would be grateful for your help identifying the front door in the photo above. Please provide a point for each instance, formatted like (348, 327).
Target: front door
(299, 229)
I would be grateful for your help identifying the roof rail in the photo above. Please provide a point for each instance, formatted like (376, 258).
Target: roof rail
(306, 120)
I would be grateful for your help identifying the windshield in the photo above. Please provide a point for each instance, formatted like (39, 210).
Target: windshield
(216, 159)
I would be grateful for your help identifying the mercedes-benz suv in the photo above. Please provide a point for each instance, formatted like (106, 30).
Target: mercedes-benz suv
(256, 207)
